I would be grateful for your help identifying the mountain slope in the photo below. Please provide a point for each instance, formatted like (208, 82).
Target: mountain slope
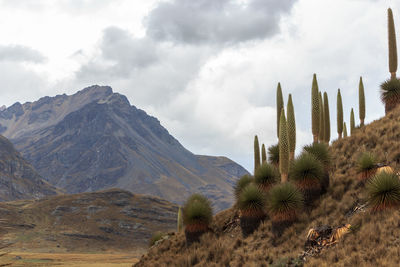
(374, 240)
(18, 179)
(95, 140)
(112, 220)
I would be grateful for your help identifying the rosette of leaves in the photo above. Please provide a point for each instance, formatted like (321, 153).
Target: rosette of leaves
(266, 176)
(284, 202)
(366, 165)
(251, 204)
(241, 184)
(197, 216)
(390, 94)
(273, 154)
(383, 191)
(321, 152)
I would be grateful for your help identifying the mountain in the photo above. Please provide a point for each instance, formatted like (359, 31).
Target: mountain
(18, 179)
(374, 237)
(111, 220)
(95, 140)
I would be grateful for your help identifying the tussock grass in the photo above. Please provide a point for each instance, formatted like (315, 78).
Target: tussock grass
(384, 191)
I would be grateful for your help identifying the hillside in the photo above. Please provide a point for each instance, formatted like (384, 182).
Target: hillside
(95, 139)
(374, 241)
(112, 220)
(18, 179)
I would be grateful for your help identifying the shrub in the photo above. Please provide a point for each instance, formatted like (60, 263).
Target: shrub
(251, 204)
(266, 176)
(390, 93)
(155, 237)
(273, 154)
(284, 201)
(384, 191)
(240, 184)
(197, 213)
(366, 165)
(321, 152)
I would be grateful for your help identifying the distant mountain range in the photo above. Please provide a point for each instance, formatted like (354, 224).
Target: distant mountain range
(95, 140)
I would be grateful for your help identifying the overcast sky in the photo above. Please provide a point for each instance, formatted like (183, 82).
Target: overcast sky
(207, 69)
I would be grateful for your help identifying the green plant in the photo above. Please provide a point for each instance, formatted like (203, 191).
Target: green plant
(321, 119)
(284, 203)
(251, 204)
(273, 154)
(344, 129)
(327, 120)
(339, 114)
(263, 154)
(384, 191)
(257, 161)
(390, 94)
(179, 220)
(252, 201)
(366, 165)
(197, 213)
(392, 45)
(279, 106)
(266, 176)
(240, 184)
(352, 122)
(361, 101)
(315, 108)
(291, 124)
(283, 148)
(155, 237)
(321, 153)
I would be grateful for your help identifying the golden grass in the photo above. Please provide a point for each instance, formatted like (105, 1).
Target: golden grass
(373, 241)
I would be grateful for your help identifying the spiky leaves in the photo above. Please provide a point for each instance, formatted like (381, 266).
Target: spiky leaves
(321, 153)
(273, 154)
(197, 213)
(352, 122)
(266, 176)
(327, 120)
(315, 108)
(279, 106)
(291, 124)
(390, 94)
(384, 191)
(366, 165)
(344, 130)
(180, 220)
(284, 201)
(321, 118)
(155, 237)
(257, 161)
(307, 173)
(339, 114)
(251, 204)
(241, 184)
(263, 154)
(361, 102)
(392, 45)
(283, 148)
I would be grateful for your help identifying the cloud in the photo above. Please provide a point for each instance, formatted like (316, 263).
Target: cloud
(219, 22)
(19, 53)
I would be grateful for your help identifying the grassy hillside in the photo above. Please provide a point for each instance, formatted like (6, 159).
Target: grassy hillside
(373, 241)
(111, 220)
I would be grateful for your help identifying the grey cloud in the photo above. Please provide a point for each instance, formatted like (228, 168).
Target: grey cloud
(215, 21)
(18, 53)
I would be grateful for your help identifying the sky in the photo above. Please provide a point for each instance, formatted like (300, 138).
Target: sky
(207, 69)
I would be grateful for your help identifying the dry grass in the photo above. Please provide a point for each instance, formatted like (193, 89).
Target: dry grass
(374, 241)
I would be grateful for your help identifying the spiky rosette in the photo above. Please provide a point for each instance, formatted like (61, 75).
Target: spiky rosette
(284, 201)
(252, 201)
(197, 213)
(266, 176)
(273, 154)
(384, 191)
(390, 94)
(307, 172)
(320, 152)
(366, 165)
(241, 184)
